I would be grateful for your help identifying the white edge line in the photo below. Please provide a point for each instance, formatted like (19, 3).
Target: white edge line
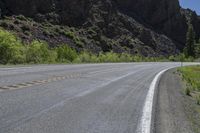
(146, 119)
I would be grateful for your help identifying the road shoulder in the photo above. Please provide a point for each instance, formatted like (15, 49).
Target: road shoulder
(175, 112)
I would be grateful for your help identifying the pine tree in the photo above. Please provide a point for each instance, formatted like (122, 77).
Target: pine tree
(197, 49)
(190, 42)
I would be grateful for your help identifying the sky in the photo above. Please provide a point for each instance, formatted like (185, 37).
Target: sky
(192, 4)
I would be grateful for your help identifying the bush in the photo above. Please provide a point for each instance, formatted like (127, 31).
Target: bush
(66, 54)
(77, 40)
(39, 52)
(124, 57)
(70, 34)
(84, 57)
(11, 49)
(137, 58)
(109, 57)
(172, 58)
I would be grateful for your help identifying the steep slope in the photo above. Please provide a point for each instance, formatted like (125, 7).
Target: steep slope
(194, 19)
(163, 15)
(147, 27)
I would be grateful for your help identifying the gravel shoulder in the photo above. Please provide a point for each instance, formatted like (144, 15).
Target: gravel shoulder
(175, 112)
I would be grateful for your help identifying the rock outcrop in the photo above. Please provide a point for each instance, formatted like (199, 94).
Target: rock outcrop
(163, 15)
(147, 27)
(193, 19)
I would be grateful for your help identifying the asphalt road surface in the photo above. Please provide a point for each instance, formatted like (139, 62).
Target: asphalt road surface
(92, 98)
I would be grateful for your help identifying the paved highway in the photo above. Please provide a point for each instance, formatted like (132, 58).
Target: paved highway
(92, 98)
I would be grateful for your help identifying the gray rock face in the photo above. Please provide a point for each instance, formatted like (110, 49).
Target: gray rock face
(194, 19)
(162, 15)
(156, 27)
(65, 11)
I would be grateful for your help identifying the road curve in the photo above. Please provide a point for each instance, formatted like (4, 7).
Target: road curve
(92, 98)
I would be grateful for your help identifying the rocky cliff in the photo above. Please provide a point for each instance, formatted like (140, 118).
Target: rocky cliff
(147, 27)
(194, 19)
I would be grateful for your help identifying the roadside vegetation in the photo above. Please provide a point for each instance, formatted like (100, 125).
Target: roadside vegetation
(191, 100)
(14, 51)
(192, 47)
(191, 74)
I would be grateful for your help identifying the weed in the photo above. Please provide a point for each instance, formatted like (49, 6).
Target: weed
(187, 91)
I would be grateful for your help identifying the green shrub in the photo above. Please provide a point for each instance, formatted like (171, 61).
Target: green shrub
(53, 56)
(84, 57)
(137, 58)
(124, 57)
(39, 52)
(77, 40)
(11, 49)
(94, 58)
(172, 58)
(66, 54)
(109, 57)
(70, 34)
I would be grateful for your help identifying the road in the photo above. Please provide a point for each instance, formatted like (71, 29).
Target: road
(92, 98)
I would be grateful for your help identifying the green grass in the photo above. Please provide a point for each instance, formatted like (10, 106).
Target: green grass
(191, 74)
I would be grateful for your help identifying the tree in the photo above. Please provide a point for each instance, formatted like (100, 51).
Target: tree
(197, 49)
(190, 42)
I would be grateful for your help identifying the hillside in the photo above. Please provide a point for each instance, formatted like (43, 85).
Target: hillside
(146, 27)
